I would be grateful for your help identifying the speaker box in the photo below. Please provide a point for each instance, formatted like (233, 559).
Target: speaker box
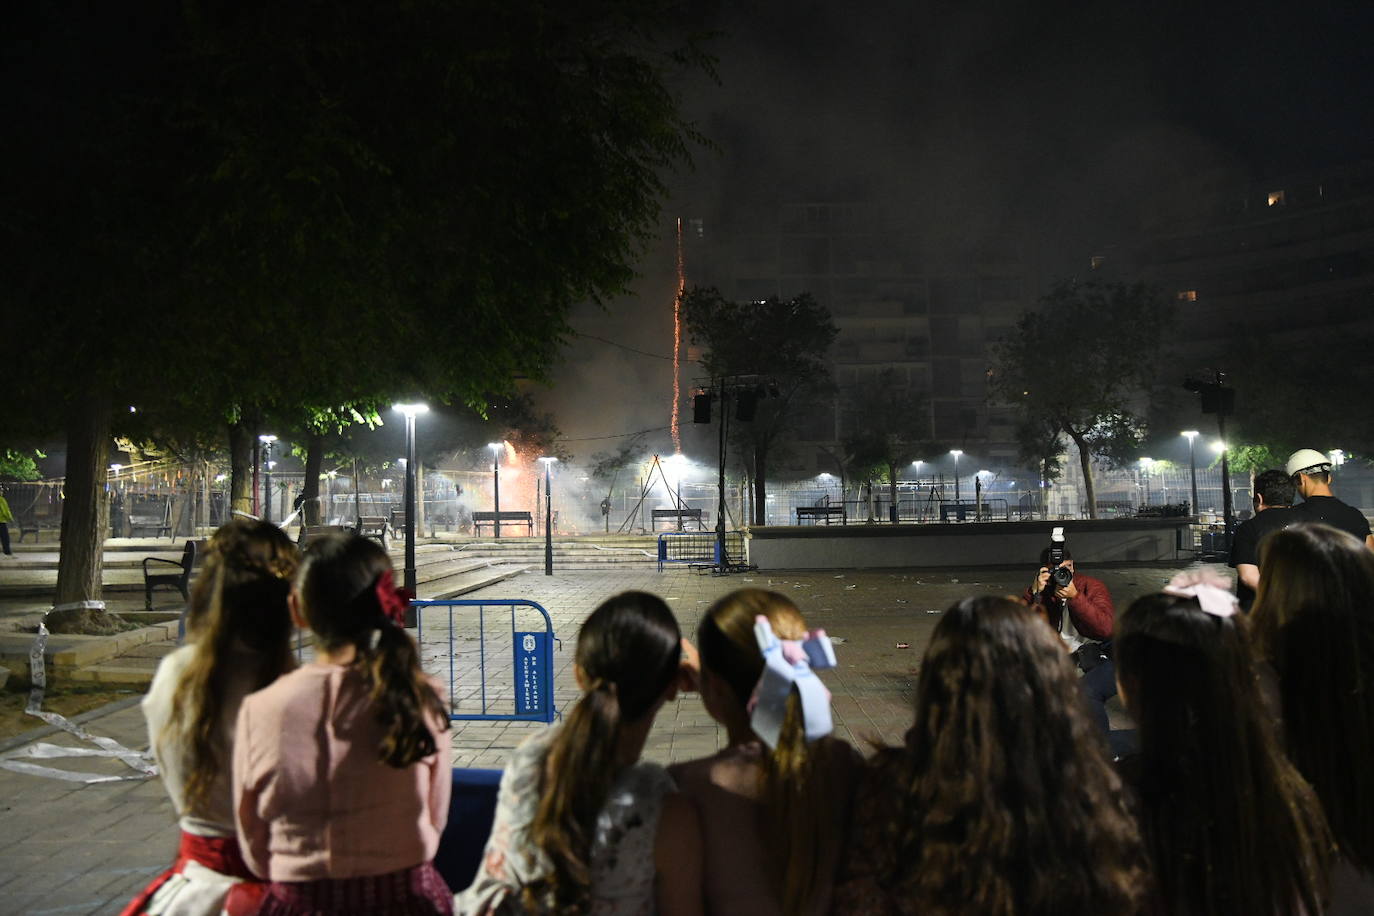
(701, 408)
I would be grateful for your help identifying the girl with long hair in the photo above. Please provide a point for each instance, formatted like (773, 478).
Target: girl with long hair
(1314, 622)
(239, 641)
(341, 768)
(1230, 825)
(1003, 801)
(775, 802)
(581, 824)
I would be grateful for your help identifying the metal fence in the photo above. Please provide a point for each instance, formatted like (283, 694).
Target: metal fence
(699, 548)
(487, 665)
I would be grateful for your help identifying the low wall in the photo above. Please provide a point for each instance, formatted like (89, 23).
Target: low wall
(961, 544)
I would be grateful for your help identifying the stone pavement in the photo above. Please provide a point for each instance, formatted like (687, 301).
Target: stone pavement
(67, 848)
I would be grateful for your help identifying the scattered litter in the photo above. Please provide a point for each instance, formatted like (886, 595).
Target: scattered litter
(672, 598)
(838, 640)
(851, 586)
(955, 581)
(902, 601)
(840, 576)
(934, 612)
(903, 645)
(746, 580)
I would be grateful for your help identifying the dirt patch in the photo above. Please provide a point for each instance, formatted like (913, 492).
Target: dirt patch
(67, 701)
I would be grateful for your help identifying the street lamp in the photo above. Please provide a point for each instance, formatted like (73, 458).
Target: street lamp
(1336, 455)
(1192, 434)
(496, 448)
(267, 440)
(1145, 465)
(411, 411)
(956, 453)
(548, 515)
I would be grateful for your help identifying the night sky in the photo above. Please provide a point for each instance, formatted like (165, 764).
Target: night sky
(1042, 123)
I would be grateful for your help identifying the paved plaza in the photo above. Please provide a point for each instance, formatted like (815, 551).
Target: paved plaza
(67, 848)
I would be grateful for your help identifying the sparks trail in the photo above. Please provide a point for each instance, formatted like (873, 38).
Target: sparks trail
(677, 342)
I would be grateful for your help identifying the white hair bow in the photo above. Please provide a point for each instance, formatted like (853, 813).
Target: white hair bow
(788, 662)
(1211, 591)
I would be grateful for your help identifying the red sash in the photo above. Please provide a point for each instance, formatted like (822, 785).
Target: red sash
(216, 853)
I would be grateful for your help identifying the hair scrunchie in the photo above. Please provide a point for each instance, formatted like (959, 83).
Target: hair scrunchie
(392, 600)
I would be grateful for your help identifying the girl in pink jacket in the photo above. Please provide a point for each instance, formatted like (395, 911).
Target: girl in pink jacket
(341, 768)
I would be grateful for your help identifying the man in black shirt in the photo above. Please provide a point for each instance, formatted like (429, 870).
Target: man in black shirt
(1273, 495)
(1311, 472)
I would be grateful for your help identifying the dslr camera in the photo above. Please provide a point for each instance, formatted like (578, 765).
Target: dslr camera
(1060, 576)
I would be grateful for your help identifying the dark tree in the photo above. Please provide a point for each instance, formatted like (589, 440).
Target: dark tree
(224, 211)
(887, 427)
(779, 347)
(1084, 362)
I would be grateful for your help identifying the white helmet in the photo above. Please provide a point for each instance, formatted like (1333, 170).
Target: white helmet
(1305, 461)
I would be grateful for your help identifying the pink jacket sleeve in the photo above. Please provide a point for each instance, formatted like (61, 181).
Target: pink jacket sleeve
(1092, 611)
(252, 830)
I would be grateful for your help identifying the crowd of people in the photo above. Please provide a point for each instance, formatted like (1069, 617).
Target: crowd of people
(1246, 786)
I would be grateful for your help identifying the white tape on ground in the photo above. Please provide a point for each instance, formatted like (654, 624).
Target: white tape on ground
(140, 762)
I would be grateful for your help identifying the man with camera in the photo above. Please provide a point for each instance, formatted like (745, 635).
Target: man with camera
(1080, 609)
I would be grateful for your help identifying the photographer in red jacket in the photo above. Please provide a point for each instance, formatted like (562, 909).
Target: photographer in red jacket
(1080, 609)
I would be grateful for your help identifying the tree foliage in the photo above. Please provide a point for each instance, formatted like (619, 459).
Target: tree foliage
(778, 347)
(1083, 363)
(887, 427)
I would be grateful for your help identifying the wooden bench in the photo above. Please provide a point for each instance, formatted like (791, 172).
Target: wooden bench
(179, 580)
(374, 526)
(159, 522)
(506, 518)
(312, 531)
(825, 512)
(678, 515)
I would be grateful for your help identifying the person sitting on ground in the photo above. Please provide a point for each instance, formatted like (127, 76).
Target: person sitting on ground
(1083, 615)
(1311, 473)
(1274, 492)
(1314, 622)
(1003, 800)
(341, 768)
(1230, 825)
(581, 824)
(240, 632)
(775, 802)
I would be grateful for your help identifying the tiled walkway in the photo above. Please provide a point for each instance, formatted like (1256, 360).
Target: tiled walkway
(75, 849)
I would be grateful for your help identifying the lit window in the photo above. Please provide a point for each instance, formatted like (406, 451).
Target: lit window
(1098, 260)
(1187, 295)
(1275, 198)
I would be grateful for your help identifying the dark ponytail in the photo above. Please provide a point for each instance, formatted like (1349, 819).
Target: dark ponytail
(628, 650)
(341, 585)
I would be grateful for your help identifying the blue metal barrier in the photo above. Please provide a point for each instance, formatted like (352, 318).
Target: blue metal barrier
(698, 548)
(530, 686)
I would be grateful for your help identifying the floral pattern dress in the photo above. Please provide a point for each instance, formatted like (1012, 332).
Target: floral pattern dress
(622, 847)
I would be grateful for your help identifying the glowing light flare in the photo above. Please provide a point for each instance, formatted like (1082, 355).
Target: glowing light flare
(677, 342)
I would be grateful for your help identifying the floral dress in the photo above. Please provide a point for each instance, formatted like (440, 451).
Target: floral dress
(622, 857)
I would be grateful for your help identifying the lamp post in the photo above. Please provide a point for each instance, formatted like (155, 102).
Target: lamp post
(410, 411)
(496, 484)
(548, 515)
(1145, 464)
(267, 440)
(956, 453)
(1192, 434)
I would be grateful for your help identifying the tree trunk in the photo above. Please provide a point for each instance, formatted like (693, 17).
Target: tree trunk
(310, 492)
(892, 513)
(240, 458)
(760, 485)
(1085, 461)
(86, 508)
(1045, 489)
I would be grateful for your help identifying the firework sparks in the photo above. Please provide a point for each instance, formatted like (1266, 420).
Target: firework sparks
(677, 342)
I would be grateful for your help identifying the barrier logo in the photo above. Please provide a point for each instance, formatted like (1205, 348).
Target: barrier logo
(528, 642)
(531, 672)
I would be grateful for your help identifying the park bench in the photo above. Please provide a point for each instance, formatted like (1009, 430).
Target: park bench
(678, 515)
(179, 580)
(506, 518)
(157, 519)
(825, 512)
(311, 531)
(373, 526)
